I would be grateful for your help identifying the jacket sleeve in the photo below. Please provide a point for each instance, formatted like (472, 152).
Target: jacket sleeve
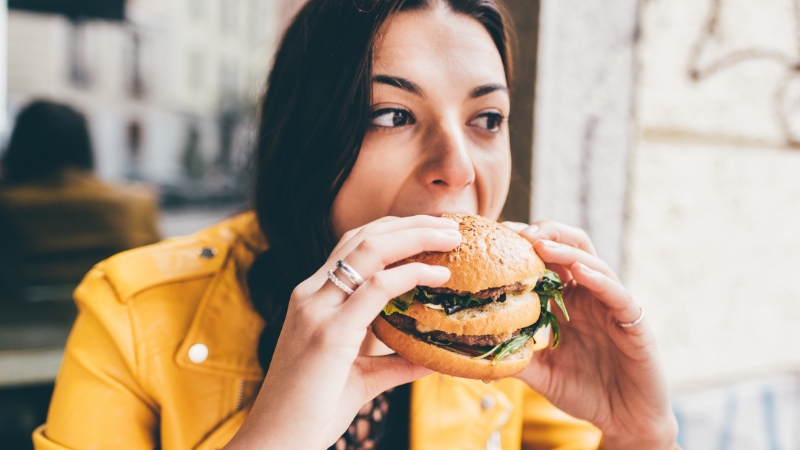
(98, 401)
(547, 427)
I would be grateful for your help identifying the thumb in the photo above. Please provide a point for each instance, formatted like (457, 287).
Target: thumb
(538, 373)
(380, 373)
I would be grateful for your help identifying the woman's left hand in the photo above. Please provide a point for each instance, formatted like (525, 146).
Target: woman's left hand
(601, 372)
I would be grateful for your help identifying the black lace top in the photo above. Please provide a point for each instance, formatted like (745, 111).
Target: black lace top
(382, 424)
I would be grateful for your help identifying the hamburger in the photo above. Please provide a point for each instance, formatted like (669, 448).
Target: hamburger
(488, 318)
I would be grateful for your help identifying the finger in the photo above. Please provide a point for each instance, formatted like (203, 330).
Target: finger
(515, 226)
(387, 225)
(554, 253)
(559, 232)
(374, 253)
(371, 297)
(346, 237)
(609, 291)
(380, 373)
(563, 272)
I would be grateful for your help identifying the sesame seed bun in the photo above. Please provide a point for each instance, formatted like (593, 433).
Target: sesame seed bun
(489, 256)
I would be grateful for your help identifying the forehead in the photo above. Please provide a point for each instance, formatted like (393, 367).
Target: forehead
(437, 43)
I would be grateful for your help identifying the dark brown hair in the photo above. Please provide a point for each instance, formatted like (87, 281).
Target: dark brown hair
(47, 138)
(314, 116)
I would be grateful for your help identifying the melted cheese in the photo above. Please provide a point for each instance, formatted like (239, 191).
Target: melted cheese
(422, 328)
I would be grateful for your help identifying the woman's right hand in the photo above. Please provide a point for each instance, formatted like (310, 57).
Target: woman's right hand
(317, 381)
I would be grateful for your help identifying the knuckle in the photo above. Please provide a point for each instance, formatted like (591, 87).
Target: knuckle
(626, 294)
(305, 316)
(380, 281)
(298, 295)
(368, 245)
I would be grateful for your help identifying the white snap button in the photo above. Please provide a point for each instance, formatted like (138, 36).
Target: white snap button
(488, 402)
(198, 353)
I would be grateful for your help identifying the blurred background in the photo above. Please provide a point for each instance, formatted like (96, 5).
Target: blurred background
(668, 129)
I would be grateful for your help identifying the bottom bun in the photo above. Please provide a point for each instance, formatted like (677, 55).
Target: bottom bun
(447, 362)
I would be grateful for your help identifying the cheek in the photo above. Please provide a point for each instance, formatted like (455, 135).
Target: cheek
(493, 175)
(372, 186)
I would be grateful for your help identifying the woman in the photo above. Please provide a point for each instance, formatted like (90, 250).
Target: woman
(379, 115)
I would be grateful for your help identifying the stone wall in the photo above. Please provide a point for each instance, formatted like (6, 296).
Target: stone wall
(583, 127)
(670, 131)
(713, 242)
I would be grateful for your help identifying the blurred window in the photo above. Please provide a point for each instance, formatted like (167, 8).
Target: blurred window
(229, 85)
(136, 84)
(133, 135)
(256, 29)
(228, 15)
(197, 9)
(196, 69)
(76, 51)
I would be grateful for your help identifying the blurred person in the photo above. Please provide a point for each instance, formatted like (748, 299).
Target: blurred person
(57, 218)
(379, 115)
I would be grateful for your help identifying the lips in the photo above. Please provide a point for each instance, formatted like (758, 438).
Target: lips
(443, 212)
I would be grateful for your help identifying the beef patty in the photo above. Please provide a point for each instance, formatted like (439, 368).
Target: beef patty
(409, 325)
(491, 293)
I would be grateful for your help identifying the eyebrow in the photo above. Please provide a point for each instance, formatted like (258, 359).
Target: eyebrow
(401, 83)
(486, 89)
(413, 88)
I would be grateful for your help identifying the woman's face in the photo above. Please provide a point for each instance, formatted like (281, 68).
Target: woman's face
(438, 141)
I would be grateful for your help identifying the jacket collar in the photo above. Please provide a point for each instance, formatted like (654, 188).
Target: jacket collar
(225, 321)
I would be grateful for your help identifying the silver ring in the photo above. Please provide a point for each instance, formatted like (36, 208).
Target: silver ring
(350, 273)
(635, 322)
(335, 280)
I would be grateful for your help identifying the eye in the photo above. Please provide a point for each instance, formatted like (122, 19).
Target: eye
(391, 118)
(489, 121)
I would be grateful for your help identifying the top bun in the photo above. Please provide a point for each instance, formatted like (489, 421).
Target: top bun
(489, 256)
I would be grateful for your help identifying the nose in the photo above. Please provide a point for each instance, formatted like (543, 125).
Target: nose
(448, 163)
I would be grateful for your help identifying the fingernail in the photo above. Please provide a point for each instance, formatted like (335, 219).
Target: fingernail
(515, 226)
(585, 269)
(550, 244)
(449, 232)
(531, 230)
(440, 270)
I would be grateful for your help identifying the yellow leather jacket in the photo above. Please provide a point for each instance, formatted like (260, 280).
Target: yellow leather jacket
(163, 355)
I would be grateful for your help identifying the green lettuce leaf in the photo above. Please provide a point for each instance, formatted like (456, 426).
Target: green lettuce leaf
(400, 304)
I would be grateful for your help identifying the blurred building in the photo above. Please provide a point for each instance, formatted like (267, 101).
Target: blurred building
(171, 91)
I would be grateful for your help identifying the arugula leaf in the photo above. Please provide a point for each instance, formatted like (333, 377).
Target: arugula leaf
(490, 352)
(511, 346)
(552, 320)
(449, 302)
(400, 304)
(550, 286)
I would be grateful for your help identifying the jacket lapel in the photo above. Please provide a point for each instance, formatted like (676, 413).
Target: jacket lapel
(225, 321)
